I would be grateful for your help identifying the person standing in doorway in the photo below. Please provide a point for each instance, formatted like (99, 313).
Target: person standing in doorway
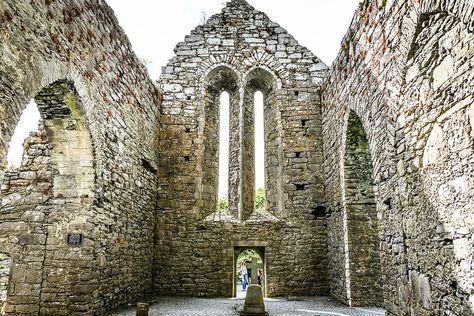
(244, 276)
(259, 276)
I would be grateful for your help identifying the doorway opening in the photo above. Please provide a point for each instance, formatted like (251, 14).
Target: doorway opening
(253, 258)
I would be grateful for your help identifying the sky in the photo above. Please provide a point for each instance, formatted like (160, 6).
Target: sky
(28, 123)
(155, 27)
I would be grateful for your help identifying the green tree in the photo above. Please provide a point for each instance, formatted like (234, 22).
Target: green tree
(222, 204)
(260, 199)
(248, 255)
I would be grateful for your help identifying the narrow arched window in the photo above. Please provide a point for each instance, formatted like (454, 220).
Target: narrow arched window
(223, 187)
(259, 130)
(363, 261)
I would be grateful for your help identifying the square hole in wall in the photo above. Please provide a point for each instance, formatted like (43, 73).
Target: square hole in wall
(298, 154)
(388, 203)
(319, 211)
(303, 122)
(297, 93)
(188, 97)
(148, 166)
(186, 158)
(299, 187)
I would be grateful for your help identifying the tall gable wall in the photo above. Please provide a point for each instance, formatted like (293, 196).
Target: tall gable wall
(241, 51)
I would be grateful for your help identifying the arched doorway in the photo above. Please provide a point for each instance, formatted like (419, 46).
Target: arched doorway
(254, 259)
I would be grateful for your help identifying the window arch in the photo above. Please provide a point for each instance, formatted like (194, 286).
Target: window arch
(221, 81)
(261, 81)
(363, 244)
(59, 162)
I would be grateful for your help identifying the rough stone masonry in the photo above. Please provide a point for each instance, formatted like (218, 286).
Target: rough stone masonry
(369, 164)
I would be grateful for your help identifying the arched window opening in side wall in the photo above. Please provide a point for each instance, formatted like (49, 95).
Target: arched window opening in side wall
(28, 123)
(5, 264)
(58, 187)
(259, 125)
(223, 182)
(363, 265)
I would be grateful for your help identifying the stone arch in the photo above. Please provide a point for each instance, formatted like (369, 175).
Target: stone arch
(260, 79)
(73, 183)
(436, 180)
(257, 59)
(361, 221)
(221, 78)
(66, 126)
(46, 74)
(52, 201)
(263, 77)
(424, 9)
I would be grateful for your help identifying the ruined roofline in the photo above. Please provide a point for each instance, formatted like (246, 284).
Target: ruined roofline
(246, 8)
(240, 2)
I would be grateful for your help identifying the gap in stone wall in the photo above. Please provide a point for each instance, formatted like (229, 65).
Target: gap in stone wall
(29, 122)
(362, 222)
(259, 143)
(223, 170)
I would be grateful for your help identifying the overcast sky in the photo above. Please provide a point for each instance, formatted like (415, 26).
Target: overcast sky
(155, 27)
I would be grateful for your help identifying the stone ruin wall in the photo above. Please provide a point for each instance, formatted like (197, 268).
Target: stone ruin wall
(240, 51)
(45, 43)
(405, 70)
(404, 78)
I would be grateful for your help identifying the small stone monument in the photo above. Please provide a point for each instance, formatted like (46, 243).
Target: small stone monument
(142, 309)
(254, 305)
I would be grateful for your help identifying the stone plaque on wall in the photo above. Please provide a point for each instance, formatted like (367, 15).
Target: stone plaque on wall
(74, 239)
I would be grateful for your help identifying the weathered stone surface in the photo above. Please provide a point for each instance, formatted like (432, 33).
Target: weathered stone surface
(241, 51)
(369, 165)
(403, 70)
(254, 305)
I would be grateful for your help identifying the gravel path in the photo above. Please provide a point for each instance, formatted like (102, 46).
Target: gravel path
(306, 306)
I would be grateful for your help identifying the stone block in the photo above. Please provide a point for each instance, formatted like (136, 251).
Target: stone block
(254, 304)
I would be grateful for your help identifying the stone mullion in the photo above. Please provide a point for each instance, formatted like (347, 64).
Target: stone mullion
(273, 154)
(210, 154)
(248, 154)
(234, 153)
